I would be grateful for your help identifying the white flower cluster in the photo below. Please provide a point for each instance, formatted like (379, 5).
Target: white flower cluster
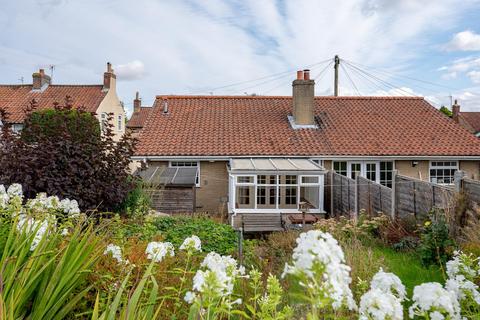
(40, 227)
(384, 299)
(432, 301)
(218, 278)
(192, 244)
(156, 251)
(43, 203)
(461, 275)
(320, 258)
(115, 251)
(14, 191)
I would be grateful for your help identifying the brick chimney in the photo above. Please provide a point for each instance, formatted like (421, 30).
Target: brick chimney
(455, 112)
(303, 99)
(40, 79)
(137, 103)
(109, 78)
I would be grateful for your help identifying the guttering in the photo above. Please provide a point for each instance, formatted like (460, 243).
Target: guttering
(320, 157)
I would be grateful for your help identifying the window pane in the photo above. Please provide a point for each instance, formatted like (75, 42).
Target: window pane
(245, 179)
(443, 172)
(310, 196)
(355, 169)
(266, 196)
(287, 199)
(244, 197)
(340, 167)
(176, 164)
(266, 179)
(371, 171)
(386, 173)
(310, 179)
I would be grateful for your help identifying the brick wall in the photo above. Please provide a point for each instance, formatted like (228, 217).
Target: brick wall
(212, 196)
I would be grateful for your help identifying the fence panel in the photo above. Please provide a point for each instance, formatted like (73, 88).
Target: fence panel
(373, 197)
(472, 189)
(343, 193)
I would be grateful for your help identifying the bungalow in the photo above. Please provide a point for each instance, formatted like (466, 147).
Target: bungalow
(100, 99)
(269, 154)
(468, 120)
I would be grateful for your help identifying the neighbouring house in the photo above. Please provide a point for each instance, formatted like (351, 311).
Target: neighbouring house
(140, 114)
(468, 120)
(269, 154)
(100, 99)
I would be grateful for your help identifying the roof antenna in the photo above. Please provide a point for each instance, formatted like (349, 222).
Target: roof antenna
(52, 67)
(21, 80)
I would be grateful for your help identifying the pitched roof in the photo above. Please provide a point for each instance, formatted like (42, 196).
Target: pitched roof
(137, 120)
(15, 98)
(472, 119)
(356, 126)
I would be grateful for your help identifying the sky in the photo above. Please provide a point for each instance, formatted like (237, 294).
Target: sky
(237, 47)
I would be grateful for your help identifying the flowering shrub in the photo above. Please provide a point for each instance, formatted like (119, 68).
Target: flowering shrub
(319, 268)
(432, 301)
(156, 251)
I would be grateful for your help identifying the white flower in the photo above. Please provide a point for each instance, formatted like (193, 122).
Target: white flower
(2, 189)
(219, 277)
(116, 252)
(65, 232)
(435, 315)
(318, 250)
(377, 304)
(4, 198)
(431, 297)
(388, 283)
(463, 288)
(69, 207)
(15, 190)
(456, 266)
(156, 251)
(189, 297)
(192, 243)
(28, 225)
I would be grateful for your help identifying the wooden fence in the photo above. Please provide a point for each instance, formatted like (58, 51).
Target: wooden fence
(408, 196)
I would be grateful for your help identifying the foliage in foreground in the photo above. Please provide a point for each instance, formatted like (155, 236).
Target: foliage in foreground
(61, 257)
(61, 152)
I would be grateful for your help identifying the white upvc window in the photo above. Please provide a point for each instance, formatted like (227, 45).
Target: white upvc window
(187, 164)
(119, 122)
(318, 161)
(443, 172)
(273, 192)
(103, 120)
(378, 171)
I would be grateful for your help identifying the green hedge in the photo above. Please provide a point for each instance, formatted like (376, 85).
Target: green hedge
(215, 236)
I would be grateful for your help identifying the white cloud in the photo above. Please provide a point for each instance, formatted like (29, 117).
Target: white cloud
(133, 70)
(464, 41)
(188, 47)
(474, 75)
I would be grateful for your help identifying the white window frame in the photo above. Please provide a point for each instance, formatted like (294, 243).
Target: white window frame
(363, 167)
(197, 178)
(430, 167)
(234, 184)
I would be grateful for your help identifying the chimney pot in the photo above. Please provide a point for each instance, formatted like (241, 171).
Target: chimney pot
(306, 74)
(109, 78)
(137, 103)
(456, 112)
(40, 79)
(299, 75)
(165, 105)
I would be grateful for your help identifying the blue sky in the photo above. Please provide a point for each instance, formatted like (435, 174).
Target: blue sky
(200, 47)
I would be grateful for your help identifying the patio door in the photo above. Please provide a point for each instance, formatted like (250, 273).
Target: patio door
(354, 169)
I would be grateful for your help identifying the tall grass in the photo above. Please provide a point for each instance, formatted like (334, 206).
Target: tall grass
(48, 282)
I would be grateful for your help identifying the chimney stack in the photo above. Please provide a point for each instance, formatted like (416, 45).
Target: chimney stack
(40, 79)
(303, 99)
(455, 111)
(137, 103)
(109, 78)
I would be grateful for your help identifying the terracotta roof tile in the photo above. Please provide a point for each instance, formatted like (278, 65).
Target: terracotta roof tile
(138, 119)
(14, 98)
(473, 120)
(244, 126)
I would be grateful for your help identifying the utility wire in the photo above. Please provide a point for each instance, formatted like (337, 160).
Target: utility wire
(370, 83)
(262, 78)
(349, 78)
(401, 76)
(386, 83)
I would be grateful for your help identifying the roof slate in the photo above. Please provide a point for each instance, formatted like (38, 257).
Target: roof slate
(348, 126)
(15, 98)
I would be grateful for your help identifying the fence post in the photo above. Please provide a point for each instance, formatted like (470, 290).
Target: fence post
(331, 195)
(458, 179)
(394, 194)
(357, 200)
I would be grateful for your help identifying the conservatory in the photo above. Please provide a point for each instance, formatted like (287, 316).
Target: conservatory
(275, 185)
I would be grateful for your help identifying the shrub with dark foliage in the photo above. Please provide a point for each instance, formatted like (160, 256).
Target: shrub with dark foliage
(61, 152)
